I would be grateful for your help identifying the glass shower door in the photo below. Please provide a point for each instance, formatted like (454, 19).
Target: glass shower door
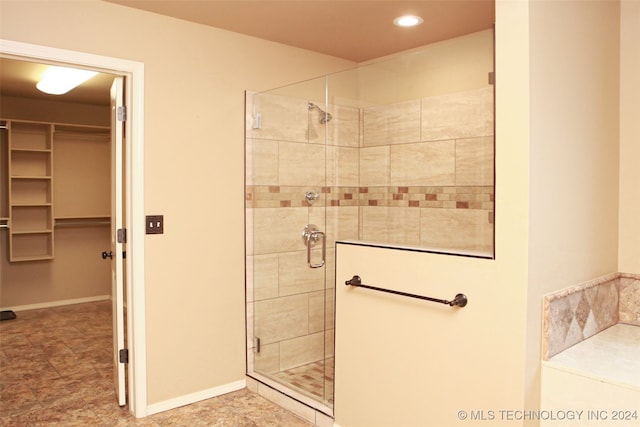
(289, 249)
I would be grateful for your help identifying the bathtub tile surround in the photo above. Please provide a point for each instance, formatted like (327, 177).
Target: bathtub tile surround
(630, 299)
(579, 312)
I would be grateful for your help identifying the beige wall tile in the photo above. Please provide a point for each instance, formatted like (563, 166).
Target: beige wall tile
(317, 311)
(329, 342)
(344, 128)
(391, 124)
(249, 234)
(281, 318)
(268, 360)
(282, 118)
(278, 229)
(342, 166)
(295, 275)
(474, 161)
(317, 216)
(329, 309)
(317, 132)
(456, 229)
(374, 166)
(301, 164)
(399, 226)
(302, 350)
(250, 319)
(630, 301)
(264, 276)
(428, 163)
(342, 224)
(262, 162)
(458, 115)
(330, 269)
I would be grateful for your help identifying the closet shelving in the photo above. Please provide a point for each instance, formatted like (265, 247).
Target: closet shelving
(30, 191)
(4, 166)
(30, 207)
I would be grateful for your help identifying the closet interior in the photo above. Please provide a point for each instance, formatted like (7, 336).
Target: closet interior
(55, 202)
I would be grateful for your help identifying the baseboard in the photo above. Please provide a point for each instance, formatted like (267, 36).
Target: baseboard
(57, 303)
(195, 397)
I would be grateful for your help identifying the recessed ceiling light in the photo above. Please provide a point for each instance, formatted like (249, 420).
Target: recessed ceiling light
(408, 21)
(60, 80)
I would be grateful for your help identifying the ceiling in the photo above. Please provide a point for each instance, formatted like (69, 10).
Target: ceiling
(357, 30)
(19, 78)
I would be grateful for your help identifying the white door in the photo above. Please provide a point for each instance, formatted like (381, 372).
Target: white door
(117, 277)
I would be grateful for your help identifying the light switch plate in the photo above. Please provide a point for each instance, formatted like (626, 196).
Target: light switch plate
(155, 224)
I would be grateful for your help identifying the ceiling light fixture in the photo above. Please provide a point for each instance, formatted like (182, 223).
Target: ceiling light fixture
(60, 80)
(408, 21)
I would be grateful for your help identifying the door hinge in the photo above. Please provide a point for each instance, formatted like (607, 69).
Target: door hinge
(122, 113)
(124, 355)
(256, 345)
(492, 78)
(122, 235)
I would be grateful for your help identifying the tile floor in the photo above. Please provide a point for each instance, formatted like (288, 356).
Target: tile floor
(56, 369)
(315, 379)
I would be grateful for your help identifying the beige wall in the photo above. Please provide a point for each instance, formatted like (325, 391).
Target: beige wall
(395, 355)
(629, 226)
(194, 108)
(574, 154)
(556, 225)
(419, 73)
(195, 79)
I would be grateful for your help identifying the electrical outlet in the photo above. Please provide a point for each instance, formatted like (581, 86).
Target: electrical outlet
(155, 224)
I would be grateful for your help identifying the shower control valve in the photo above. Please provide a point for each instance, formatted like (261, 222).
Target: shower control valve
(311, 196)
(311, 235)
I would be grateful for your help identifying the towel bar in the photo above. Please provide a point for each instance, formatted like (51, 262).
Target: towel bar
(460, 300)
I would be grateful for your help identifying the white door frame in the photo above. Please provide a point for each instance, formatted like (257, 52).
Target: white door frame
(134, 188)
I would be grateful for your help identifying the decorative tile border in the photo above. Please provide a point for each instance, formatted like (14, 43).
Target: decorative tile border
(579, 312)
(629, 290)
(454, 197)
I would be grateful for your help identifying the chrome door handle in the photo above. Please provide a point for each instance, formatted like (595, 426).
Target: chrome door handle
(311, 235)
(315, 236)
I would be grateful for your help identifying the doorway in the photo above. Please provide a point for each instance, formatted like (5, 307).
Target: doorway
(133, 188)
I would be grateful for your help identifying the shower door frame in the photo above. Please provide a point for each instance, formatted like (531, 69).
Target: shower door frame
(316, 213)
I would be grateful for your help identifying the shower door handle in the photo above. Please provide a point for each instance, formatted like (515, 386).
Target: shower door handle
(311, 235)
(314, 236)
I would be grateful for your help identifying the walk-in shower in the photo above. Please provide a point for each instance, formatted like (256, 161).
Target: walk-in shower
(398, 153)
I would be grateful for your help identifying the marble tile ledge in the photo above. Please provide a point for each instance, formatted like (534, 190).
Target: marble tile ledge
(612, 356)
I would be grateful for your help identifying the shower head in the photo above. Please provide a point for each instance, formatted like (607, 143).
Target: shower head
(324, 116)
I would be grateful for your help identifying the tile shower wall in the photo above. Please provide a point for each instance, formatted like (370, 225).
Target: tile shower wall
(426, 172)
(577, 313)
(417, 173)
(290, 304)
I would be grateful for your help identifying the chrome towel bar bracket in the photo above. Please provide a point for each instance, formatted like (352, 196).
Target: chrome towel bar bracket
(460, 300)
